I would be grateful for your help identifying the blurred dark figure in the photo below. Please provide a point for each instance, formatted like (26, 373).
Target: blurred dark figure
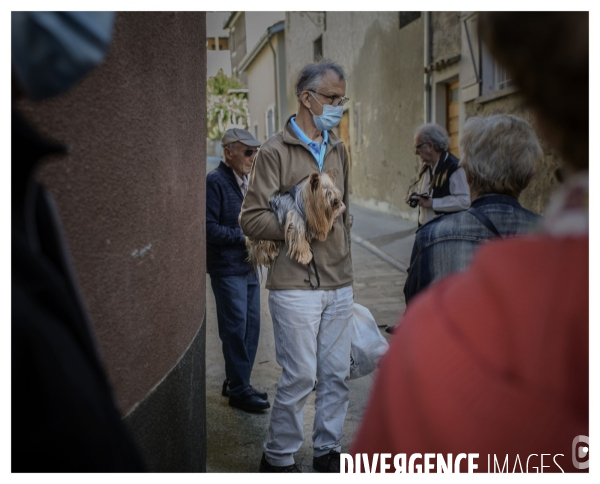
(64, 417)
(495, 360)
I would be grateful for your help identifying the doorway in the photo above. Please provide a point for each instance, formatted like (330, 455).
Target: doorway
(452, 123)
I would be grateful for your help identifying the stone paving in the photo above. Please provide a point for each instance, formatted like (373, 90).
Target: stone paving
(235, 437)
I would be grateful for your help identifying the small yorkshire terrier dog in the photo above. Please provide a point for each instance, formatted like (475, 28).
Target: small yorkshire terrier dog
(305, 212)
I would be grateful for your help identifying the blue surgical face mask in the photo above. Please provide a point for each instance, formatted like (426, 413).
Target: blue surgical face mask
(331, 117)
(51, 51)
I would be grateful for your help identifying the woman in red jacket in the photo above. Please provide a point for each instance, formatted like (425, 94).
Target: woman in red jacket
(494, 361)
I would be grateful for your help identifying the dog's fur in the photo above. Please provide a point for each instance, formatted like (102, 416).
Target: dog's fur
(305, 213)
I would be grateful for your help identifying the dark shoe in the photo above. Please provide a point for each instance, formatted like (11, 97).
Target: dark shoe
(390, 329)
(328, 462)
(266, 467)
(249, 403)
(258, 393)
(225, 391)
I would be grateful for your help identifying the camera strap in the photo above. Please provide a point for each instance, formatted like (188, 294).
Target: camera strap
(484, 220)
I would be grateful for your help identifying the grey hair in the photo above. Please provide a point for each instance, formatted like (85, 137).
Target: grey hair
(310, 76)
(434, 134)
(499, 153)
(232, 146)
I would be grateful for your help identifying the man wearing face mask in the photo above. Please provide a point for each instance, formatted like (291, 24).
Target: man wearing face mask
(63, 414)
(311, 310)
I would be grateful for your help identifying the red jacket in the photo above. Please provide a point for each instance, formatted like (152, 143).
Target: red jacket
(491, 361)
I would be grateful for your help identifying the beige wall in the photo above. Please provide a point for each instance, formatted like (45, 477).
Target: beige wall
(386, 85)
(257, 23)
(445, 28)
(261, 89)
(384, 65)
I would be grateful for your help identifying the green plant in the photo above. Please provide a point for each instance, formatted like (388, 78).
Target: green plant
(224, 109)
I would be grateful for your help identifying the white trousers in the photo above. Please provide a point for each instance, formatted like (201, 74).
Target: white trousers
(312, 343)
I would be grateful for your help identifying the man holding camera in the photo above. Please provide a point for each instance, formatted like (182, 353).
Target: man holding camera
(499, 154)
(443, 185)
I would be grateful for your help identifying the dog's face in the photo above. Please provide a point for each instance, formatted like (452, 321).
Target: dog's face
(327, 195)
(322, 203)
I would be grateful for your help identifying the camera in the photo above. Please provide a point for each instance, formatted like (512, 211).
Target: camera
(414, 202)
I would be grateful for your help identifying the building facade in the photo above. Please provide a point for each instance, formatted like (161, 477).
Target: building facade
(245, 30)
(264, 68)
(383, 63)
(405, 69)
(486, 88)
(217, 44)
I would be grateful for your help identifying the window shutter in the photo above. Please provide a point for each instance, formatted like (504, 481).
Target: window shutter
(470, 60)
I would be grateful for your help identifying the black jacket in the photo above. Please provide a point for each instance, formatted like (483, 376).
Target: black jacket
(441, 177)
(226, 253)
(64, 418)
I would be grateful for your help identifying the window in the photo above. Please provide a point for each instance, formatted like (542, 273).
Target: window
(318, 49)
(493, 76)
(223, 43)
(210, 44)
(408, 17)
(269, 122)
(480, 74)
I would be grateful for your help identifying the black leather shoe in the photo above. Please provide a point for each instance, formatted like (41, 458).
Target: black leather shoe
(328, 462)
(225, 391)
(249, 403)
(258, 393)
(266, 467)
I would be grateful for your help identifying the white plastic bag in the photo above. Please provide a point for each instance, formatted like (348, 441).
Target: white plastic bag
(368, 344)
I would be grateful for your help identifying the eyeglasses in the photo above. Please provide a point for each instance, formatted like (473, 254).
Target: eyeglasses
(249, 153)
(335, 101)
(418, 147)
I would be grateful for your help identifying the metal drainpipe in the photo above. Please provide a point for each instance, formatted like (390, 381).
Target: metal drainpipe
(428, 60)
(276, 88)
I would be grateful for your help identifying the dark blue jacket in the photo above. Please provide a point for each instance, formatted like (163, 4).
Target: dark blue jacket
(447, 243)
(226, 253)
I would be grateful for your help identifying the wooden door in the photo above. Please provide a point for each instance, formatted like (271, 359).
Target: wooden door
(343, 132)
(452, 116)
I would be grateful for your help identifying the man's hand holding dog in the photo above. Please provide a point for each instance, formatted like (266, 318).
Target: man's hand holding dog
(339, 212)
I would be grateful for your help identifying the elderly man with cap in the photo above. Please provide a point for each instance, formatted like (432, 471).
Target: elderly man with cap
(234, 283)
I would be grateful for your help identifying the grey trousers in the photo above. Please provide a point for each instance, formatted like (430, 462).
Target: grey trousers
(312, 342)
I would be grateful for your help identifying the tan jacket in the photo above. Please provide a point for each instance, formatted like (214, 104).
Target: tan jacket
(282, 162)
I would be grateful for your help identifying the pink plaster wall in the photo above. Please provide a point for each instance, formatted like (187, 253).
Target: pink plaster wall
(131, 193)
